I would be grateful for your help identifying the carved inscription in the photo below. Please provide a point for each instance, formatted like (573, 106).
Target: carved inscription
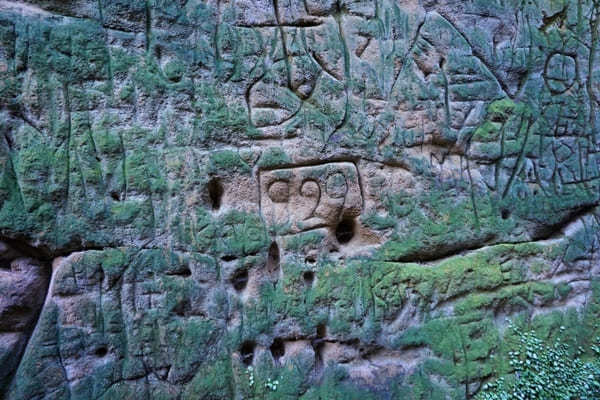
(298, 199)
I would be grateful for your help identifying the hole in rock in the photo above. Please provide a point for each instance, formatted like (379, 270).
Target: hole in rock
(182, 308)
(158, 51)
(309, 277)
(318, 345)
(115, 196)
(273, 258)
(215, 193)
(310, 260)
(344, 232)
(277, 349)
(505, 213)
(321, 331)
(247, 352)
(101, 351)
(184, 272)
(240, 279)
(228, 258)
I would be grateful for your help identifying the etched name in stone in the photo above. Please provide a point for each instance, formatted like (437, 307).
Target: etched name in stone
(298, 199)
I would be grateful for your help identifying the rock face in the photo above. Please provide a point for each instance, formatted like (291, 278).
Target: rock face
(329, 199)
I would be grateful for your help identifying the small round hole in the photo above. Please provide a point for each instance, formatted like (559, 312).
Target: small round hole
(247, 352)
(277, 349)
(310, 260)
(101, 351)
(344, 232)
(115, 196)
(240, 279)
(505, 213)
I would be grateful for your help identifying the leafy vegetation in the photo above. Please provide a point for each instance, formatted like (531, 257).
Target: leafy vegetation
(549, 372)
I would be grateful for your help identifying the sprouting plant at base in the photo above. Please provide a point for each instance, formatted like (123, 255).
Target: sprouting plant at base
(545, 372)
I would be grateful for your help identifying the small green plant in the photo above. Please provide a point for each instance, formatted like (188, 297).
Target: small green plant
(545, 372)
(272, 385)
(250, 373)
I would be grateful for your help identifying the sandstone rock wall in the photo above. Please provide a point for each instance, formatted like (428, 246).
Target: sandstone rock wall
(349, 198)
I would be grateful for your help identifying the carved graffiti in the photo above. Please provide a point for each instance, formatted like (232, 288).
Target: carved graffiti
(297, 199)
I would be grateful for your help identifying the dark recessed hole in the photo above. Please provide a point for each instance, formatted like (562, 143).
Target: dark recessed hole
(182, 308)
(310, 260)
(318, 344)
(505, 213)
(101, 351)
(158, 51)
(228, 258)
(185, 272)
(247, 352)
(344, 232)
(115, 196)
(240, 280)
(308, 277)
(215, 193)
(277, 349)
(321, 331)
(273, 258)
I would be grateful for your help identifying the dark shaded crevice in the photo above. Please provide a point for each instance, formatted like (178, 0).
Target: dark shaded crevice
(148, 24)
(272, 266)
(301, 23)
(22, 318)
(309, 278)
(215, 193)
(345, 230)
(277, 349)
(247, 352)
(101, 351)
(185, 272)
(318, 344)
(554, 231)
(239, 280)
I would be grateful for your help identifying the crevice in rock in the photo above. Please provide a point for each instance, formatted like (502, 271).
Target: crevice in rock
(215, 193)
(554, 231)
(318, 344)
(548, 232)
(21, 306)
(185, 272)
(273, 260)
(101, 351)
(345, 230)
(277, 349)
(308, 277)
(239, 280)
(247, 352)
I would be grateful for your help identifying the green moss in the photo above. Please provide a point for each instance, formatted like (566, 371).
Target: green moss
(213, 380)
(273, 157)
(227, 161)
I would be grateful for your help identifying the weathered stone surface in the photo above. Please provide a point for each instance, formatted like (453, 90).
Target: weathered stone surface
(349, 196)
